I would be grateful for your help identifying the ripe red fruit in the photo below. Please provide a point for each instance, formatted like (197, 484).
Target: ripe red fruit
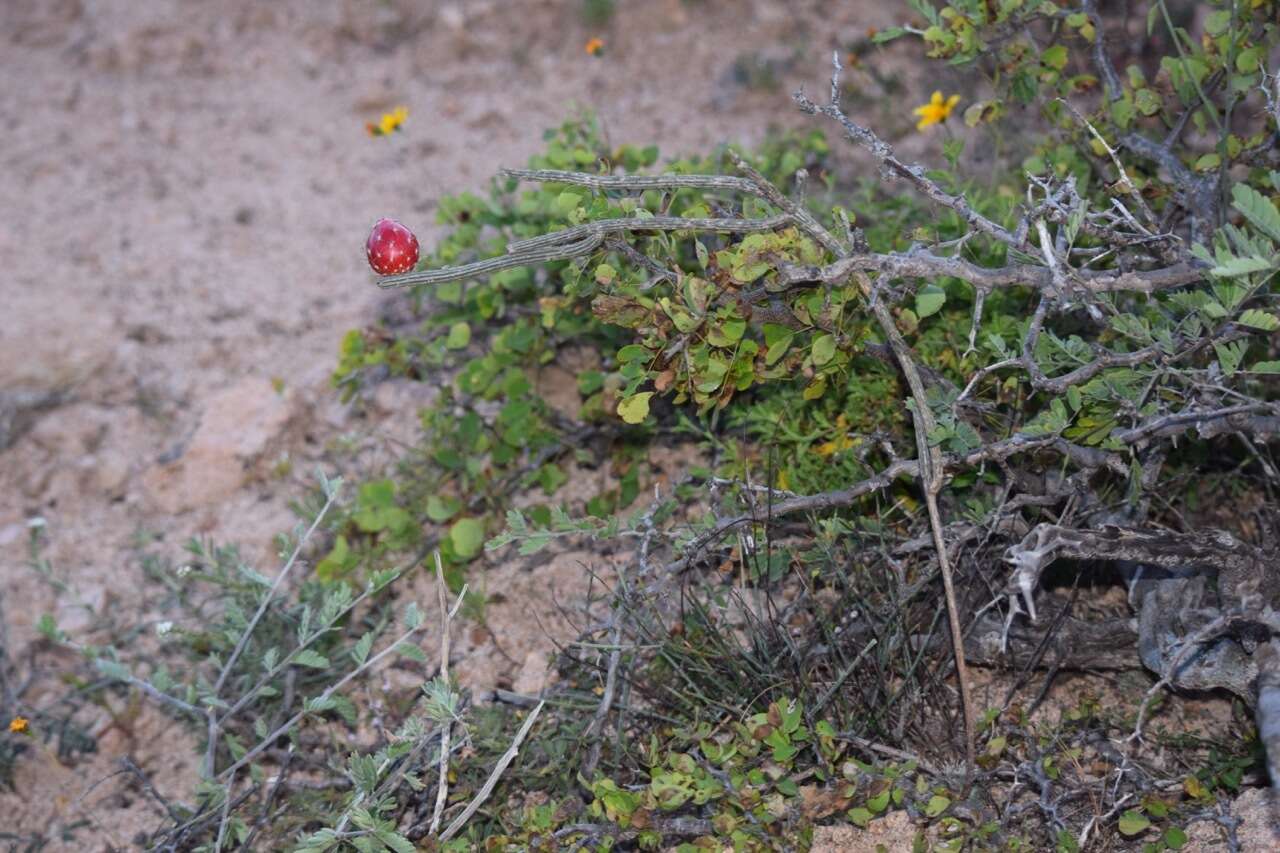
(391, 248)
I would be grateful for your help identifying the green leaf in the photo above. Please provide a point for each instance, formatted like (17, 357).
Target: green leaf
(411, 651)
(467, 536)
(952, 149)
(395, 841)
(567, 202)
(727, 334)
(361, 650)
(1122, 113)
(779, 346)
(1073, 398)
(441, 508)
(937, 805)
(1055, 57)
(1208, 162)
(929, 299)
(824, 349)
(1249, 59)
(459, 336)
(888, 34)
(1175, 838)
(633, 352)
(337, 561)
(1229, 355)
(1241, 266)
(1258, 209)
(311, 658)
(1147, 101)
(1255, 319)
(1266, 367)
(635, 408)
(1217, 23)
(859, 816)
(1132, 822)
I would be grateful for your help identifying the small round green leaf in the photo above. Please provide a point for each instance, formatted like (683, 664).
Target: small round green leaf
(635, 408)
(467, 536)
(824, 349)
(1132, 822)
(929, 300)
(459, 336)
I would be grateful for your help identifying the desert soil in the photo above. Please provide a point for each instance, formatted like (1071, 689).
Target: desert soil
(186, 188)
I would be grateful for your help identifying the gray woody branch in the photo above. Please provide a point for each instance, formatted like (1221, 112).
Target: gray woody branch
(583, 240)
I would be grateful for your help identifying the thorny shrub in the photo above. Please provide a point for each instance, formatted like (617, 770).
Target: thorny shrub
(933, 412)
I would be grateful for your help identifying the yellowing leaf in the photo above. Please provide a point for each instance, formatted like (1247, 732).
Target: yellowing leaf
(635, 408)
(1194, 788)
(830, 448)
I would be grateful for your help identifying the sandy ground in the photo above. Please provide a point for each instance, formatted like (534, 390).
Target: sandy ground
(186, 188)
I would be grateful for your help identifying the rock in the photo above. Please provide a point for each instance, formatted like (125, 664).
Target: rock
(559, 389)
(534, 675)
(1259, 812)
(110, 473)
(20, 408)
(44, 357)
(240, 427)
(403, 397)
(79, 609)
(892, 833)
(11, 533)
(72, 431)
(53, 353)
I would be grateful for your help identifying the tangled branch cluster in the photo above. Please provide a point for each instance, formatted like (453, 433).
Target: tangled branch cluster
(1190, 634)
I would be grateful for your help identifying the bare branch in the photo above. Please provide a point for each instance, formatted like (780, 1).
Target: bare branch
(507, 757)
(912, 173)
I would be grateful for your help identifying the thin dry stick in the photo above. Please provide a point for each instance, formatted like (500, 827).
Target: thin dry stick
(931, 471)
(226, 814)
(595, 731)
(442, 790)
(492, 781)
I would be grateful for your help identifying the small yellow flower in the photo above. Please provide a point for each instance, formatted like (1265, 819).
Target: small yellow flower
(595, 46)
(936, 111)
(389, 123)
(18, 725)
